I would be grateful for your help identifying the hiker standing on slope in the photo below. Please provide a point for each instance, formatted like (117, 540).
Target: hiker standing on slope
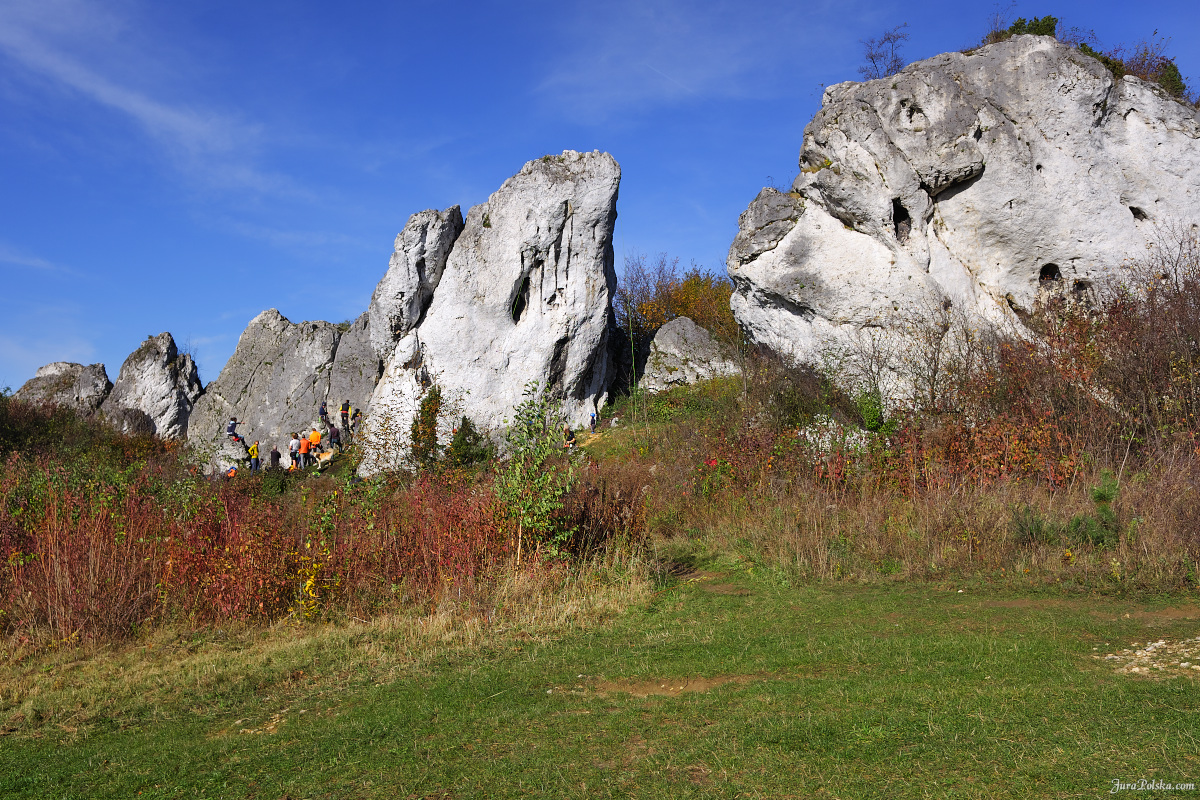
(275, 456)
(294, 450)
(305, 444)
(252, 451)
(335, 438)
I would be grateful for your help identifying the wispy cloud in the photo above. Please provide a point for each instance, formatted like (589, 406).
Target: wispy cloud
(14, 257)
(627, 55)
(85, 48)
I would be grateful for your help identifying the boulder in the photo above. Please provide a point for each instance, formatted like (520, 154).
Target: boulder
(160, 385)
(276, 380)
(524, 297)
(62, 383)
(401, 298)
(974, 178)
(683, 353)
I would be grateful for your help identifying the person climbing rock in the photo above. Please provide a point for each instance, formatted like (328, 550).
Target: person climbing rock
(231, 429)
(252, 451)
(324, 414)
(345, 409)
(356, 421)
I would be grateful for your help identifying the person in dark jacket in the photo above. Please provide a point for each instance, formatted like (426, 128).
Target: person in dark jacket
(335, 438)
(275, 456)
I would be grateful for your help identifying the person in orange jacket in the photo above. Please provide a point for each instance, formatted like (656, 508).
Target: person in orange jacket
(305, 445)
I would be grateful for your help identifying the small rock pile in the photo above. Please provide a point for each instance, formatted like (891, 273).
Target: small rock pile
(1160, 658)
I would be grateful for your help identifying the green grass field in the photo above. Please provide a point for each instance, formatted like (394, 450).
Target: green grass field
(727, 683)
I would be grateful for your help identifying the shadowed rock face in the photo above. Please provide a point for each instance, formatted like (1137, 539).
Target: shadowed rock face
(525, 296)
(966, 177)
(62, 383)
(681, 353)
(277, 379)
(155, 390)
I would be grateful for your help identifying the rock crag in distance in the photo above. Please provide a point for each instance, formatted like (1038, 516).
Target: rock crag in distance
(525, 296)
(155, 390)
(277, 378)
(64, 383)
(977, 178)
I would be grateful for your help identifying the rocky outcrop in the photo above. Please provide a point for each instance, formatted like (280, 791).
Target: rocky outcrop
(62, 383)
(277, 378)
(976, 178)
(525, 296)
(683, 353)
(401, 298)
(155, 390)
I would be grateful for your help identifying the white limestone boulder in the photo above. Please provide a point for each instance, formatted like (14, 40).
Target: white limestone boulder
(683, 353)
(159, 385)
(63, 383)
(525, 296)
(970, 177)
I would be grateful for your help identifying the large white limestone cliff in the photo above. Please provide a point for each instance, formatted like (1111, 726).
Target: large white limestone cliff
(969, 177)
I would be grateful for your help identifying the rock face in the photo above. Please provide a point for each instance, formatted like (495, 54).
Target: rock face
(525, 296)
(159, 383)
(277, 379)
(401, 298)
(682, 353)
(976, 178)
(81, 388)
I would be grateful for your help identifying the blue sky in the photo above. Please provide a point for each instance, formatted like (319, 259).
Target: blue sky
(182, 166)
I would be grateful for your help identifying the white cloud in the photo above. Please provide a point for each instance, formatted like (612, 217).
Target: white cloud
(89, 50)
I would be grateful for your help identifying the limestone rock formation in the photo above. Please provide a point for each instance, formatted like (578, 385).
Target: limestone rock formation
(970, 177)
(401, 298)
(156, 387)
(81, 388)
(682, 353)
(277, 379)
(525, 296)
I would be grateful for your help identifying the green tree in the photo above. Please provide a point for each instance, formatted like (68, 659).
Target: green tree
(531, 484)
(424, 428)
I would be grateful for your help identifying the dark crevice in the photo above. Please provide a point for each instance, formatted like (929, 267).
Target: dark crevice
(901, 221)
(558, 368)
(521, 301)
(1138, 214)
(1049, 274)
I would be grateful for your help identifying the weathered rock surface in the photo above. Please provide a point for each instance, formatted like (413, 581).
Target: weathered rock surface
(62, 383)
(401, 298)
(525, 296)
(971, 177)
(356, 367)
(277, 379)
(682, 353)
(156, 386)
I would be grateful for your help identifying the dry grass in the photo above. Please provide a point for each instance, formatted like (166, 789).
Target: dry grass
(71, 689)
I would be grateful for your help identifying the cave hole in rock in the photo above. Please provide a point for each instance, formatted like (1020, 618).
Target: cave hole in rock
(1038, 167)
(1049, 274)
(1138, 214)
(521, 300)
(901, 220)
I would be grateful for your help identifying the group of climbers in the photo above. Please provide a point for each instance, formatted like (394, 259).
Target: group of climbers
(302, 450)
